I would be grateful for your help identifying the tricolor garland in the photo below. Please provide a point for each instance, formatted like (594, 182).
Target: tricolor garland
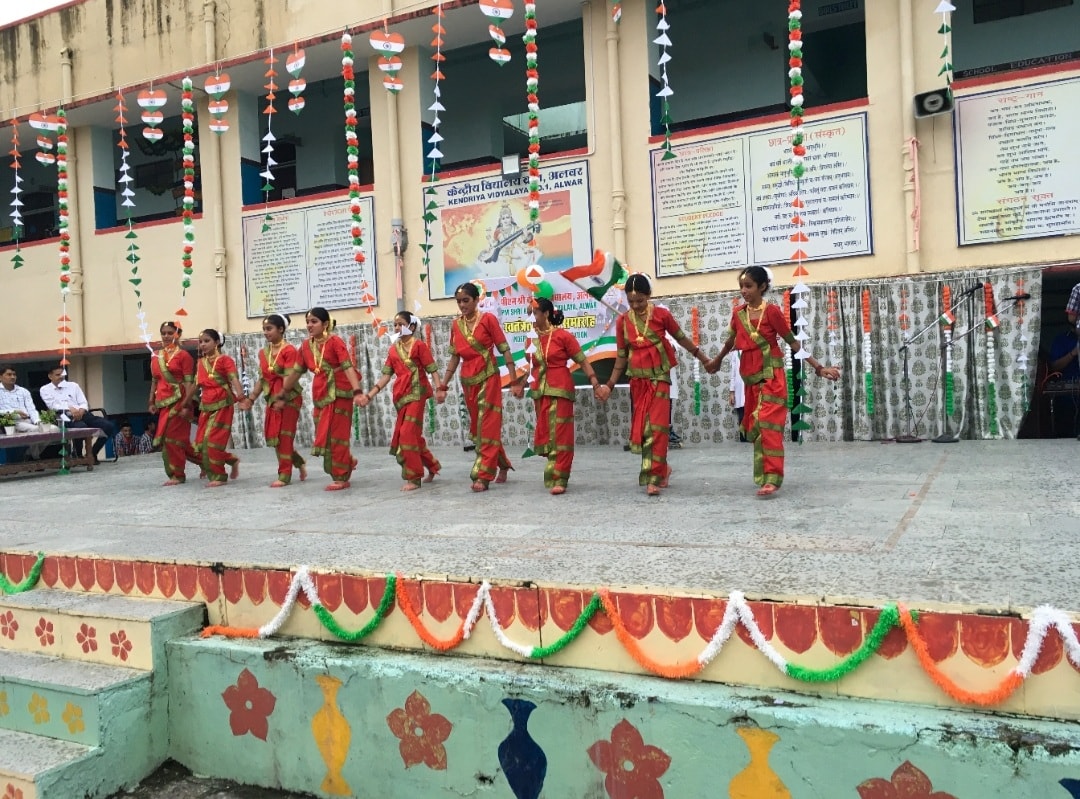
(268, 173)
(789, 366)
(352, 147)
(532, 88)
(187, 117)
(834, 326)
(389, 45)
(16, 203)
(127, 202)
(1022, 358)
(28, 582)
(945, 8)
(695, 336)
(431, 412)
(295, 65)
(867, 350)
(947, 320)
(216, 87)
(64, 225)
(991, 358)
(497, 13)
(353, 349)
(737, 611)
(45, 125)
(434, 155)
(152, 102)
(665, 89)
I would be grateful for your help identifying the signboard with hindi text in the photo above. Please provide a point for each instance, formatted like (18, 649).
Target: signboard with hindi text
(725, 203)
(1016, 163)
(303, 257)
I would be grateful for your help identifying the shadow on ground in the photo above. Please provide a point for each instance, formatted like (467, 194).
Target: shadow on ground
(173, 781)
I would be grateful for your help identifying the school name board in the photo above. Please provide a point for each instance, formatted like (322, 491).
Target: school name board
(725, 203)
(1016, 163)
(303, 257)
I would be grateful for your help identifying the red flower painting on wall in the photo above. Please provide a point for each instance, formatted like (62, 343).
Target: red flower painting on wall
(421, 732)
(907, 782)
(250, 706)
(632, 767)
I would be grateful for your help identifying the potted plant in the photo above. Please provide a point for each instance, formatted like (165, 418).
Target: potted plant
(49, 417)
(8, 420)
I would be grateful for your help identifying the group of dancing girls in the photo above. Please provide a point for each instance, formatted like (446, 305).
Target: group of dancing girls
(645, 353)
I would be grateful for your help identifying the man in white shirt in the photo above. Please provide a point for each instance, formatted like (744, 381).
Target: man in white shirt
(69, 402)
(16, 399)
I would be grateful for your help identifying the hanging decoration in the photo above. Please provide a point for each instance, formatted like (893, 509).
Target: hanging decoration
(295, 65)
(532, 88)
(431, 411)
(353, 349)
(789, 369)
(834, 326)
(991, 358)
(695, 334)
(616, 11)
(664, 40)
(352, 149)
(389, 45)
(947, 320)
(1022, 358)
(152, 101)
(187, 118)
(127, 202)
(945, 8)
(498, 12)
(216, 87)
(46, 126)
(867, 352)
(268, 173)
(435, 154)
(16, 203)
(64, 226)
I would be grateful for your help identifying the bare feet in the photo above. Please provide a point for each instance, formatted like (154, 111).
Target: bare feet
(664, 482)
(479, 486)
(278, 484)
(215, 484)
(652, 491)
(501, 477)
(410, 487)
(336, 486)
(558, 490)
(430, 477)
(767, 490)
(235, 471)
(303, 473)
(173, 482)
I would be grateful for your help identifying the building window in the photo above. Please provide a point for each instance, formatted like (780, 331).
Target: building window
(993, 10)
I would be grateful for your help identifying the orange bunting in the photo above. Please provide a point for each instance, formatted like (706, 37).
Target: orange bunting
(800, 271)
(799, 237)
(866, 311)
(677, 671)
(443, 645)
(695, 326)
(799, 255)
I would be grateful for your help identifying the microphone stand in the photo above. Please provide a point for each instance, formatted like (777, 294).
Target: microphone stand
(909, 437)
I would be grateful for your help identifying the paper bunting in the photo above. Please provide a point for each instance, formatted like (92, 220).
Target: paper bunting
(295, 65)
(46, 125)
(497, 12)
(868, 355)
(352, 147)
(945, 8)
(268, 171)
(187, 117)
(127, 202)
(695, 334)
(16, 203)
(532, 89)
(664, 40)
(435, 154)
(216, 87)
(991, 359)
(947, 319)
(152, 101)
(389, 45)
(616, 11)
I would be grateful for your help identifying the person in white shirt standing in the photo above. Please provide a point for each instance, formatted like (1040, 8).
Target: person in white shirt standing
(69, 402)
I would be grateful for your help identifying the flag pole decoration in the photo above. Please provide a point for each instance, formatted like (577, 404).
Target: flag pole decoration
(532, 89)
(664, 40)
(991, 358)
(152, 102)
(63, 224)
(945, 8)
(127, 202)
(388, 45)
(16, 203)
(435, 154)
(216, 87)
(868, 364)
(1022, 358)
(295, 65)
(497, 12)
(187, 117)
(268, 173)
(947, 320)
(695, 335)
(45, 125)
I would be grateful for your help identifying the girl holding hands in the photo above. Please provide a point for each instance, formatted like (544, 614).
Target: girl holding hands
(219, 391)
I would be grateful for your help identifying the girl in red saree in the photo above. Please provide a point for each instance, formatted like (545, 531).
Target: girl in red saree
(755, 330)
(552, 390)
(327, 357)
(172, 379)
(473, 335)
(276, 361)
(409, 362)
(220, 390)
(646, 354)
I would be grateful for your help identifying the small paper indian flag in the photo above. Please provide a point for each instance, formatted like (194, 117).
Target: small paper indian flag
(992, 322)
(947, 318)
(599, 276)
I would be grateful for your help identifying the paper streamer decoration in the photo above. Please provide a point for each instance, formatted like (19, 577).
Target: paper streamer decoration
(665, 93)
(124, 190)
(152, 101)
(532, 89)
(295, 65)
(497, 12)
(435, 154)
(868, 363)
(695, 335)
(16, 203)
(45, 125)
(268, 172)
(991, 358)
(945, 8)
(389, 45)
(216, 87)
(187, 118)
(947, 319)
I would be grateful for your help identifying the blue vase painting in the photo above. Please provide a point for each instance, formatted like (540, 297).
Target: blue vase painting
(523, 761)
(1072, 786)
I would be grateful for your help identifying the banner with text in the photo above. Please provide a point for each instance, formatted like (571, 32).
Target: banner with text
(725, 203)
(1016, 164)
(304, 258)
(482, 227)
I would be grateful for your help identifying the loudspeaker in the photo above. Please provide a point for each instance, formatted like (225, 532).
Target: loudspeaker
(928, 104)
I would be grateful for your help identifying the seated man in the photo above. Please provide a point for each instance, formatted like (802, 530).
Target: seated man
(127, 443)
(1065, 358)
(69, 402)
(16, 399)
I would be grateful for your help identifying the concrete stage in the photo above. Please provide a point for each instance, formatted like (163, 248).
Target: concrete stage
(973, 526)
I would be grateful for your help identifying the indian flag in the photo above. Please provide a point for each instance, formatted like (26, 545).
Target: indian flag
(599, 276)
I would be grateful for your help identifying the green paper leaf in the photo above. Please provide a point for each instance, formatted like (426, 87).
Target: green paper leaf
(801, 425)
(135, 281)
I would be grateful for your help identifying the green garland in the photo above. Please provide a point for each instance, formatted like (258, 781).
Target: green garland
(28, 582)
(574, 631)
(889, 618)
(331, 624)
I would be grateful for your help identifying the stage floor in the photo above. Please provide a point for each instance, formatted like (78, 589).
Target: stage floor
(987, 525)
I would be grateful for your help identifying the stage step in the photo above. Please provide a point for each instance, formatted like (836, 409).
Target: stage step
(35, 767)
